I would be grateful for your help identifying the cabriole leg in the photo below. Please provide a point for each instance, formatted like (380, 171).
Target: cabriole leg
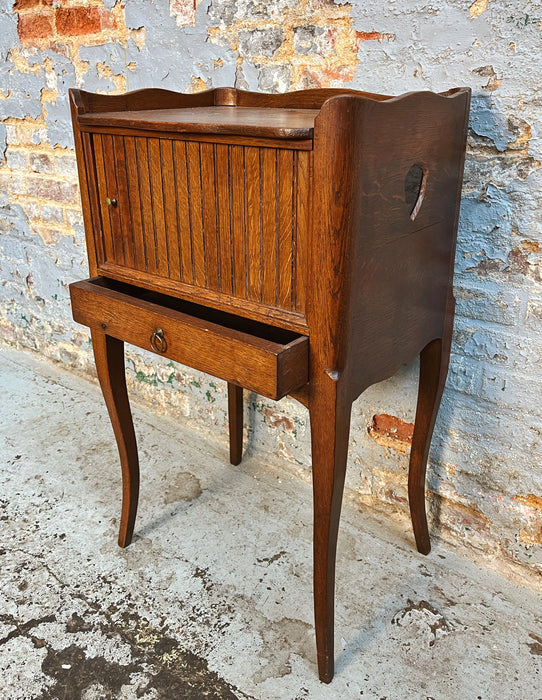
(330, 426)
(434, 361)
(109, 357)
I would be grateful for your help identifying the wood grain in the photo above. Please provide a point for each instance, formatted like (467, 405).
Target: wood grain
(109, 358)
(257, 362)
(240, 121)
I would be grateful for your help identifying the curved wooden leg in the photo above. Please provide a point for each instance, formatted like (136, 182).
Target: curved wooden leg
(330, 426)
(434, 361)
(235, 420)
(109, 357)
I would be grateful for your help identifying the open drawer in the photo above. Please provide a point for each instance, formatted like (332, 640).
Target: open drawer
(268, 360)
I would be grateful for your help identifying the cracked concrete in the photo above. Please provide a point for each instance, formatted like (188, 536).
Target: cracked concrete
(213, 598)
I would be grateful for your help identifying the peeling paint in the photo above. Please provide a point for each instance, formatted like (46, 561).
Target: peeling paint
(478, 8)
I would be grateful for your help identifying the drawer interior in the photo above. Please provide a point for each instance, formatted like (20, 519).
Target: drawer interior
(267, 359)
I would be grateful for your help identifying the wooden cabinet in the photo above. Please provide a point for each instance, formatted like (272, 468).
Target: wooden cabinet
(297, 244)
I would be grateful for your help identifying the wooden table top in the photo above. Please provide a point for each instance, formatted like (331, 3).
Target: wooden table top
(240, 121)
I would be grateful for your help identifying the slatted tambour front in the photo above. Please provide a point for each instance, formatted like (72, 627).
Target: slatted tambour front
(221, 217)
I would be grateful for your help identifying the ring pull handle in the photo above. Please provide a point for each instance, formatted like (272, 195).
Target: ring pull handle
(111, 202)
(158, 342)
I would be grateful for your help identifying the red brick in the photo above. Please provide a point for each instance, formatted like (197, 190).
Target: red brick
(390, 428)
(30, 4)
(373, 36)
(35, 25)
(75, 21)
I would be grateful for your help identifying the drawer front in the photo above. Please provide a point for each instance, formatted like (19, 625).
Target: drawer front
(231, 219)
(267, 360)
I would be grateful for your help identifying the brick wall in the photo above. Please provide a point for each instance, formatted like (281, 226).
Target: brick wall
(485, 476)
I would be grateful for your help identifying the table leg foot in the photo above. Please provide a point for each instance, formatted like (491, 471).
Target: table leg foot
(109, 357)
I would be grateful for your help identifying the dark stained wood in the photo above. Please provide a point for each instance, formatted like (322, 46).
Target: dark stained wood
(288, 209)
(235, 420)
(238, 121)
(383, 284)
(434, 361)
(260, 362)
(109, 358)
(329, 409)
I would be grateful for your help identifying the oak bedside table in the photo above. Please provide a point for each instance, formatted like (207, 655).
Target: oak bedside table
(298, 244)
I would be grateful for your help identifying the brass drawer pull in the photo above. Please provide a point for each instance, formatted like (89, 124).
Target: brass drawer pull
(111, 202)
(158, 342)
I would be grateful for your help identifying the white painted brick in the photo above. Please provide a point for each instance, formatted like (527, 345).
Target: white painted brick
(53, 214)
(16, 160)
(488, 304)
(518, 391)
(464, 375)
(66, 165)
(75, 217)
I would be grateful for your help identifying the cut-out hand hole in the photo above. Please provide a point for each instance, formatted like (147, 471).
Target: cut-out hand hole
(415, 182)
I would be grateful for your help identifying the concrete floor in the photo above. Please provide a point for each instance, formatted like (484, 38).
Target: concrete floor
(213, 598)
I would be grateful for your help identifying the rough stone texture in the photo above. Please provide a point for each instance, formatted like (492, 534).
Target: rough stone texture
(485, 478)
(213, 597)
